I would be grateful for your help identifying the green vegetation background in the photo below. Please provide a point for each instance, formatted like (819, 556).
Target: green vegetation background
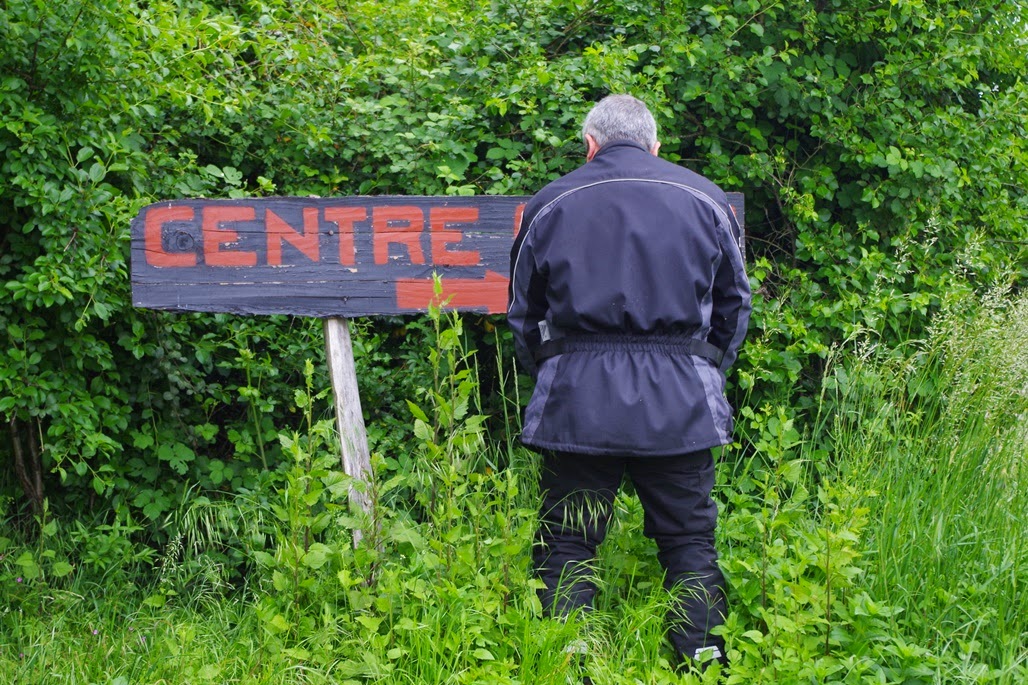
(172, 508)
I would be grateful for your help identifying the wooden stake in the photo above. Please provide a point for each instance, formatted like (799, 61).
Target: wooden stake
(349, 420)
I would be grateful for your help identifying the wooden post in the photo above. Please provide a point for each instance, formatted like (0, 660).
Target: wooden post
(349, 419)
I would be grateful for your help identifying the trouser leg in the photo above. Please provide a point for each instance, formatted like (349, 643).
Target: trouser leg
(680, 517)
(578, 497)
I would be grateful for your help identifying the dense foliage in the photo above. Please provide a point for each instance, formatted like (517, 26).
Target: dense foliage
(881, 147)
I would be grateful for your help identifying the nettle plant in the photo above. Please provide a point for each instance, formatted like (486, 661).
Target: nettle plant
(795, 569)
(447, 538)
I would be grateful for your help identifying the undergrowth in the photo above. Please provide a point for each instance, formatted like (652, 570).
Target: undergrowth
(881, 542)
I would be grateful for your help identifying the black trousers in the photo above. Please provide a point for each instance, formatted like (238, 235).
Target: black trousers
(578, 496)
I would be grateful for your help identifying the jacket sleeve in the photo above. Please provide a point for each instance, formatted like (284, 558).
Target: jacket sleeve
(730, 314)
(526, 298)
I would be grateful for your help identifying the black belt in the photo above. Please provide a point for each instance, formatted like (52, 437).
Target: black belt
(592, 342)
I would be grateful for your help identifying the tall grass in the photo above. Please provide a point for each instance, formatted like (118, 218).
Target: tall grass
(937, 439)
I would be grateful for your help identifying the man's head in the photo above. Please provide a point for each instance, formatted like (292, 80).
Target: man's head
(619, 117)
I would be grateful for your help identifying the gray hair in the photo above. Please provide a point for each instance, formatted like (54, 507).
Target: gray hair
(621, 117)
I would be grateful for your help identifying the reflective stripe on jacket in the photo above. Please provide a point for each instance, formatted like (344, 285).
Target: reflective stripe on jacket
(628, 247)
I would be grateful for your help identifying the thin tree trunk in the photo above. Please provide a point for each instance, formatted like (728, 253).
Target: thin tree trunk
(29, 473)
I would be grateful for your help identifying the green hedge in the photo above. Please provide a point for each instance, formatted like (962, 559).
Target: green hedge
(881, 147)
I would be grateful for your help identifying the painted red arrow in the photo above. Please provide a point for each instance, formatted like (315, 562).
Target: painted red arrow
(477, 294)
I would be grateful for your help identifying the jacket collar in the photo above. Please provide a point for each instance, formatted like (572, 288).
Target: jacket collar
(612, 144)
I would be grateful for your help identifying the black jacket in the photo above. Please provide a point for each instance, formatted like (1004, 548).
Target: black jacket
(630, 254)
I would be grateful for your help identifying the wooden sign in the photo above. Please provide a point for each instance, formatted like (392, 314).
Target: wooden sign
(325, 257)
(354, 256)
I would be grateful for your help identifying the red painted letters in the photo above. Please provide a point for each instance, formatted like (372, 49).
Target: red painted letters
(153, 230)
(214, 236)
(278, 231)
(345, 218)
(519, 213)
(398, 226)
(442, 237)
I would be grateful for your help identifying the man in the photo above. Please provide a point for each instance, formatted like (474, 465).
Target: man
(628, 302)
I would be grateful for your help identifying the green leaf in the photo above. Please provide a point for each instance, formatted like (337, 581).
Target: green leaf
(141, 440)
(156, 600)
(792, 471)
(422, 431)
(279, 624)
(370, 622)
(281, 581)
(416, 411)
(317, 555)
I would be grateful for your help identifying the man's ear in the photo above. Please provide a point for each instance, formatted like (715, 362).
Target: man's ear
(655, 149)
(592, 147)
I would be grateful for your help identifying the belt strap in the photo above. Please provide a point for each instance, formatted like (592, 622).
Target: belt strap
(592, 342)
